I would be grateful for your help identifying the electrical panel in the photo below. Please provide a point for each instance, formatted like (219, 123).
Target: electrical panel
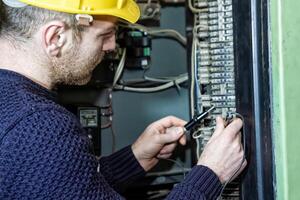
(90, 120)
(138, 48)
(213, 61)
(213, 69)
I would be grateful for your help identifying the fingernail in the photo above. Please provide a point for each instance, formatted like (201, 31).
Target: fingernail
(175, 130)
(179, 130)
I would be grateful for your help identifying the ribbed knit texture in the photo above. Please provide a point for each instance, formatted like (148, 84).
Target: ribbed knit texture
(45, 153)
(201, 183)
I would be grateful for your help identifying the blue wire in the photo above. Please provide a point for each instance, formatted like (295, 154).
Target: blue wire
(197, 83)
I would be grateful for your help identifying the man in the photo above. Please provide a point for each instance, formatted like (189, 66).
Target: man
(44, 152)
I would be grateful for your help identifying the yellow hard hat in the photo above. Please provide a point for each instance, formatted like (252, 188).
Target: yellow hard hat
(124, 9)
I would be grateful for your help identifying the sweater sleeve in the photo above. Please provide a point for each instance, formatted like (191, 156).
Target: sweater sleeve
(47, 156)
(121, 168)
(200, 184)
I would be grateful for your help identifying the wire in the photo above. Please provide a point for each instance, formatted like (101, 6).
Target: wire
(197, 10)
(194, 76)
(195, 91)
(198, 147)
(196, 135)
(105, 126)
(113, 137)
(159, 80)
(109, 104)
(157, 32)
(196, 31)
(109, 114)
(152, 14)
(105, 106)
(157, 194)
(162, 87)
(120, 68)
(195, 65)
(178, 163)
(169, 33)
(146, 79)
(192, 82)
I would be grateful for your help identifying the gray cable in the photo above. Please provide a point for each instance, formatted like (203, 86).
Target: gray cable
(120, 68)
(153, 89)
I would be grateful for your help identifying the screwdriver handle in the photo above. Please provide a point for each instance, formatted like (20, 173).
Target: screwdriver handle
(197, 119)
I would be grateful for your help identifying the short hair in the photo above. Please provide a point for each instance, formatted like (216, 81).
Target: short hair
(20, 24)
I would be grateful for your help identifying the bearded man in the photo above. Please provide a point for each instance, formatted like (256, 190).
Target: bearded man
(44, 151)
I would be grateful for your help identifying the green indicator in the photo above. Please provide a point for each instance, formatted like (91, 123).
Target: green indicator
(136, 34)
(147, 51)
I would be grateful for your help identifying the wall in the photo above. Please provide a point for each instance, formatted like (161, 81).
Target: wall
(285, 21)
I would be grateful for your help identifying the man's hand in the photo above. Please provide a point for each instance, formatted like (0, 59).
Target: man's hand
(224, 152)
(159, 141)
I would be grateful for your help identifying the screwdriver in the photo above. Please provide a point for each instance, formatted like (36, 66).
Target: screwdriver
(197, 119)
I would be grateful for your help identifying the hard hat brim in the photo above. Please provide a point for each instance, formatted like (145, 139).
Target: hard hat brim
(130, 12)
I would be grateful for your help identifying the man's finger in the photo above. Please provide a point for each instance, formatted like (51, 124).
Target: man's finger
(168, 148)
(170, 121)
(182, 140)
(234, 128)
(172, 135)
(164, 156)
(220, 126)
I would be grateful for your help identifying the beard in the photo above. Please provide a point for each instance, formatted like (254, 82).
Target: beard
(76, 66)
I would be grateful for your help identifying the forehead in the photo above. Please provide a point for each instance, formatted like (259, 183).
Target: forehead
(104, 22)
(105, 19)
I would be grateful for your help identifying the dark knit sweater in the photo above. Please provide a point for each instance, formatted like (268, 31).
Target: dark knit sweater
(45, 153)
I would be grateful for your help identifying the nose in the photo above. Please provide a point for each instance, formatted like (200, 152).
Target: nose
(110, 43)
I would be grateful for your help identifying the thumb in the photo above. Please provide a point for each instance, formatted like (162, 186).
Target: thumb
(171, 135)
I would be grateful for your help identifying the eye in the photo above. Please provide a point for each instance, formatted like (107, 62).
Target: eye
(107, 34)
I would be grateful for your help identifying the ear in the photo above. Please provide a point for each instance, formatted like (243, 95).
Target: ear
(54, 37)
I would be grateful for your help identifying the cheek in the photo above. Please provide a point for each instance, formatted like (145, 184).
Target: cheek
(109, 44)
(96, 48)
(91, 55)
(98, 42)
(92, 44)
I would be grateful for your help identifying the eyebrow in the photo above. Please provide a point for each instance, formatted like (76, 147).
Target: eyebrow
(107, 31)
